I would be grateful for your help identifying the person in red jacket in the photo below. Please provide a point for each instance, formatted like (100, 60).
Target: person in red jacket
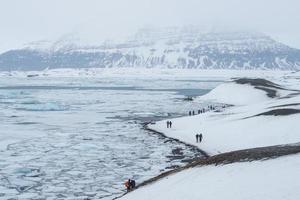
(127, 185)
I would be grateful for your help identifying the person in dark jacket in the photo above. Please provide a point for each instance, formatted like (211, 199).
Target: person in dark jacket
(129, 184)
(200, 137)
(132, 184)
(197, 138)
(170, 124)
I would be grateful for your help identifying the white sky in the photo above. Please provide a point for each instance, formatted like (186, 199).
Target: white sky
(23, 21)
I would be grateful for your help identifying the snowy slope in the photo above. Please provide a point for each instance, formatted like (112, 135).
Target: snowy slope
(236, 94)
(183, 48)
(261, 114)
(252, 122)
(274, 179)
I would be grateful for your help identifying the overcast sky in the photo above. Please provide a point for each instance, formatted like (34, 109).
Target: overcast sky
(23, 21)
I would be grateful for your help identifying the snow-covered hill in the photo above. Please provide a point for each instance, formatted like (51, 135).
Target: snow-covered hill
(262, 114)
(159, 48)
(273, 179)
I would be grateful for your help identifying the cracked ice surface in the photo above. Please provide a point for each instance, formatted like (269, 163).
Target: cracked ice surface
(81, 138)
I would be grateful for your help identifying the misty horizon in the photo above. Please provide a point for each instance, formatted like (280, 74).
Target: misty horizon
(96, 21)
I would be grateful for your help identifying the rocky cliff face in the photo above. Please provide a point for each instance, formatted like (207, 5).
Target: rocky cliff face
(164, 48)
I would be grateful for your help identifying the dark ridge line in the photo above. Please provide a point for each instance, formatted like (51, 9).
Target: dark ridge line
(290, 95)
(285, 105)
(281, 112)
(270, 93)
(277, 112)
(246, 155)
(262, 84)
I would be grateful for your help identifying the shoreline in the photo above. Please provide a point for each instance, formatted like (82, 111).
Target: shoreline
(172, 171)
(245, 155)
(250, 153)
(205, 154)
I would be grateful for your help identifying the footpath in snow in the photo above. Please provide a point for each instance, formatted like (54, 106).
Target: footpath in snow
(258, 113)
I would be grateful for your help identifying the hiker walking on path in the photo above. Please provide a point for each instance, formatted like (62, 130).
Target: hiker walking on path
(197, 138)
(170, 124)
(200, 137)
(190, 113)
(132, 184)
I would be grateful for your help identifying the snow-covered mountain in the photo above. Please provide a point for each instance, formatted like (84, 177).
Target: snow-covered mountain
(187, 47)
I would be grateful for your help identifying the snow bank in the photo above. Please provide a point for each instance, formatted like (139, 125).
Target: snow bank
(235, 94)
(275, 179)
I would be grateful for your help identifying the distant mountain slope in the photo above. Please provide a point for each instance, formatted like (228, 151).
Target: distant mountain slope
(166, 48)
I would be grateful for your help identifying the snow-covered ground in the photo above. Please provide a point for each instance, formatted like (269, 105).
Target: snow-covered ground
(59, 129)
(238, 127)
(269, 180)
(258, 116)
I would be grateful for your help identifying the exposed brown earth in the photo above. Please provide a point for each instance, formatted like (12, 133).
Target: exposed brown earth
(247, 155)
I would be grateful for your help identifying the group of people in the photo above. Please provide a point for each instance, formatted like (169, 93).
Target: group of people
(129, 184)
(203, 110)
(199, 112)
(169, 124)
(199, 137)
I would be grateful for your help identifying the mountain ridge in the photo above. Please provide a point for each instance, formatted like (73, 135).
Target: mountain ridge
(166, 48)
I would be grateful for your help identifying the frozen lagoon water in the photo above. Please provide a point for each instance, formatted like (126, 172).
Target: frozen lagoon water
(78, 138)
